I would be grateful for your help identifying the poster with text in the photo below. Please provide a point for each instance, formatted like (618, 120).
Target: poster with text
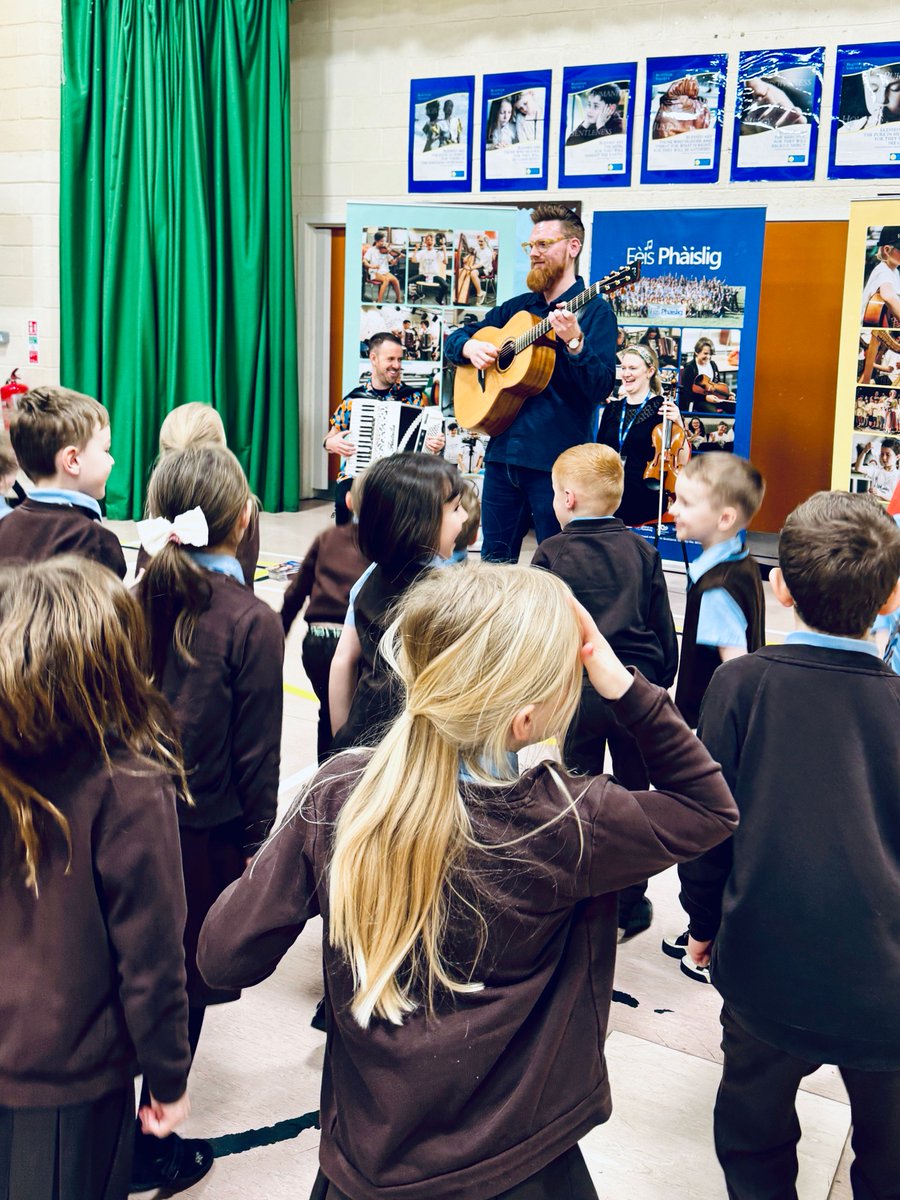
(515, 131)
(776, 120)
(595, 125)
(684, 102)
(440, 134)
(865, 116)
(866, 454)
(695, 307)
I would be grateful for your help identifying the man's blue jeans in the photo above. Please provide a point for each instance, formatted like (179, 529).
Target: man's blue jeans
(513, 499)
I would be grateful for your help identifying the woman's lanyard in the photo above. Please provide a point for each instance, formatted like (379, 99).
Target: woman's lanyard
(623, 428)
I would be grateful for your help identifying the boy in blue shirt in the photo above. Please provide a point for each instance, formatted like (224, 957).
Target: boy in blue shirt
(716, 497)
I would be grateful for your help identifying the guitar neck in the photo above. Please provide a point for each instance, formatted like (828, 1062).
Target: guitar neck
(579, 301)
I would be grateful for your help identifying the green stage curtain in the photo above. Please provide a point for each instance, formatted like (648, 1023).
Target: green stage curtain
(176, 250)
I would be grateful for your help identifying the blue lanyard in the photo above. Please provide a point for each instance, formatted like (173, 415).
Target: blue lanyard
(622, 430)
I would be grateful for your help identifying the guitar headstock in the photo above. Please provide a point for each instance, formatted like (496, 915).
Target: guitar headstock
(622, 277)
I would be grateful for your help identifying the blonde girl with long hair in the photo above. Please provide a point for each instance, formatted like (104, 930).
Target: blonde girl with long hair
(91, 897)
(216, 653)
(198, 424)
(469, 909)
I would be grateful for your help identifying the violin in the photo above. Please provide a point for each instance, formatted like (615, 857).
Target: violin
(719, 389)
(663, 469)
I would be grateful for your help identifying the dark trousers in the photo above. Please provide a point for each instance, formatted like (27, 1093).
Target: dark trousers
(566, 1178)
(756, 1126)
(593, 729)
(318, 651)
(514, 498)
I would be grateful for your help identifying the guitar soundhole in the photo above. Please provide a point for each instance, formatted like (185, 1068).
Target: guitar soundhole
(506, 356)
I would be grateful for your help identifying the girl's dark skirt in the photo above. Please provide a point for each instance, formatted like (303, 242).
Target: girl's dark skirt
(78, 1152)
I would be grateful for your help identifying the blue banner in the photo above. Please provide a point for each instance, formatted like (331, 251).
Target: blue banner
(441, 112)
(595, 125)
(865, 115)
(696, 306)
(684, 111)
(515, 131)
(776, 120)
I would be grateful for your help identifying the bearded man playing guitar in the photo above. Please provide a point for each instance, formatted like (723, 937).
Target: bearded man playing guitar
(517, 486)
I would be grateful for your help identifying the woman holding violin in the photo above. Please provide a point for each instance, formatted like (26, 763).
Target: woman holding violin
(702, 387)
(628, 424)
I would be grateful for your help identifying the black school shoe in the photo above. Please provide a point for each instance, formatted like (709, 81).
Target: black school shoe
(170, 1164)
(675, 947)
(637, 919)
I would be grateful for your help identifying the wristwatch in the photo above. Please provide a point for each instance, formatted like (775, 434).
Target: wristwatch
(575, 342)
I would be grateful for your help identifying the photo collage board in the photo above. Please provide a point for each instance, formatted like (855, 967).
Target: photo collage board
(421, 272)
(867, 432)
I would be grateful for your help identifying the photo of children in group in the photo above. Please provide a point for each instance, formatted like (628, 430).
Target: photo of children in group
(877, 408)
(419, 329)
(689, 299)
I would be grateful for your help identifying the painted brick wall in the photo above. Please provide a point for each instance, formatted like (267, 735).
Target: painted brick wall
(29, 183)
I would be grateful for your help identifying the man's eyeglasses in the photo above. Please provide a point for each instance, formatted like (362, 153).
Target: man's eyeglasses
(542, 244)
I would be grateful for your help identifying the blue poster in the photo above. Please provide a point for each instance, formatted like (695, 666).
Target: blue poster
(595, 125)
(440, 134)
(776, 120)
(696, 307)
(515, 129)
(684, 111)
(865, 115)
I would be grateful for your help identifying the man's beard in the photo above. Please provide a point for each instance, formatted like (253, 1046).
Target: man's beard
(542, 277)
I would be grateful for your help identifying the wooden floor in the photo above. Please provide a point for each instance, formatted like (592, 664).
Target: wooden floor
(258, 1066)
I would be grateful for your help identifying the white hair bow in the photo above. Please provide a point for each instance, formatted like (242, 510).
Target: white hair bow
(189, 529)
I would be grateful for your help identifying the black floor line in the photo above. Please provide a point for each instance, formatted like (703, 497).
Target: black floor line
(281, 1131)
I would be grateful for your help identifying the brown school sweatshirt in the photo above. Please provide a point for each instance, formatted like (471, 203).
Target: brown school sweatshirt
(228, 707)
(37, 530)
(500, 1082)
(93, 984)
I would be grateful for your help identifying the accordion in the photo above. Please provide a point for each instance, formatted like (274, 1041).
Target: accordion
(383, 427)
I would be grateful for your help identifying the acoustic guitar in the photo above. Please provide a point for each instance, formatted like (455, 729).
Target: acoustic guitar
(487, 401)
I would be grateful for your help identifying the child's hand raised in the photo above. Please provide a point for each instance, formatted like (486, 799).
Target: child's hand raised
(608, 675)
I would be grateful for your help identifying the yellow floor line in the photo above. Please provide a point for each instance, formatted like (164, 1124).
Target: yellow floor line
(301, 692)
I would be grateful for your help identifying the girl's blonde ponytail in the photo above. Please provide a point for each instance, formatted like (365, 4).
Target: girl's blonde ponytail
(473, 646)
